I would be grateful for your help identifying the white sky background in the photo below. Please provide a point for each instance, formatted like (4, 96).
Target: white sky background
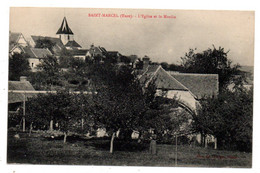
(161, 39)
(190, 42)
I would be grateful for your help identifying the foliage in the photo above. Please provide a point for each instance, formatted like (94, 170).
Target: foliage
(171, 67)
(228, 117)
(40, 110)
(45, 43)
(18, 66)
(50, 66)
(165, 119)
(120, 100)
(211, 61)
(63, 108)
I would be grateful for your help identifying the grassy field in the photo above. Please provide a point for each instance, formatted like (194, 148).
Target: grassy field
(40, 148)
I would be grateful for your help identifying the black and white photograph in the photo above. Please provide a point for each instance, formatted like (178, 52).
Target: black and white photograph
(130, 87)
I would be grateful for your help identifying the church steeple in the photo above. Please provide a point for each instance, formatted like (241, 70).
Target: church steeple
(64, 28)
(64, 32)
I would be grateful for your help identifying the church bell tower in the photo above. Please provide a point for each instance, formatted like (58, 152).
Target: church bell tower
(64, 32)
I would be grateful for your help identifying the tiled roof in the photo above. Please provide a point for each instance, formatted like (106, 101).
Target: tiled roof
(13, 39)
(55, 40)
(41, 53)
(79, 52)
(37, 52)
(18, 85)
(97, 50)
(72, 44)
(201, 85)
(113, 53)
(28, 51)
(163, 80)
(59, 46)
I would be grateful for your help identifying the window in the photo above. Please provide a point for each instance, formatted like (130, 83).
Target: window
(32, 64)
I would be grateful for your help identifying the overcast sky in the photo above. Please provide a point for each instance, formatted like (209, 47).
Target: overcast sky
(163, 40)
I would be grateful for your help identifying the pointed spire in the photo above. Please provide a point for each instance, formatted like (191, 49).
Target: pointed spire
(64, 28)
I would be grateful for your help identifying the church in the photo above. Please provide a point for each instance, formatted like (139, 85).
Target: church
(35, 46)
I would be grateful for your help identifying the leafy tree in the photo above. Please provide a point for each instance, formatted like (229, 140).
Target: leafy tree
(175, 67)
(166, 119)
(36, 113)
(229, 118)
(164, 65)
(64, 108)
(120, 101)
(211, 61)
(65, 58)
(18, 66)
(50, 66)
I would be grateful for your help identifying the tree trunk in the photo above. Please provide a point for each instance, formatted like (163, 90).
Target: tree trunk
(206, 142)
(51, 125)
(202, 139)
(31, 127)
(65, 137)
(153, 147)
(82, 124)
(23, 124)
(112, 142)
(216, 144)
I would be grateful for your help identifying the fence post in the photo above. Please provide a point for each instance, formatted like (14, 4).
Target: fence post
(176, 151)
(24, 97)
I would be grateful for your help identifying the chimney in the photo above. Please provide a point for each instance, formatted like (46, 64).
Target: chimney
(23, 79)
(146, 61)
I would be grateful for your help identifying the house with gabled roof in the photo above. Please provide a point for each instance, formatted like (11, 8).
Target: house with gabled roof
(58, 47)
(16, 38)
(188, 88)
(16, 99)
(78, 53)
(35, 56)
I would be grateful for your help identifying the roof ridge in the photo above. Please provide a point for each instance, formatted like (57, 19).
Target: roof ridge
(153, 74)
(180, 83)
(144, 72)
(193, 74)
(33, 52)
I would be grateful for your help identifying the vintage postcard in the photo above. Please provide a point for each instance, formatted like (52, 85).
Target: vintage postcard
(130, 87)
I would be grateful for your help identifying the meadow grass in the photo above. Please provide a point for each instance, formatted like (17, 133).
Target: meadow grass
(40, 148)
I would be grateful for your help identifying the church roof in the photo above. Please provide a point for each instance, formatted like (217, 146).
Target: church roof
(64, 28)
(72, 44)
